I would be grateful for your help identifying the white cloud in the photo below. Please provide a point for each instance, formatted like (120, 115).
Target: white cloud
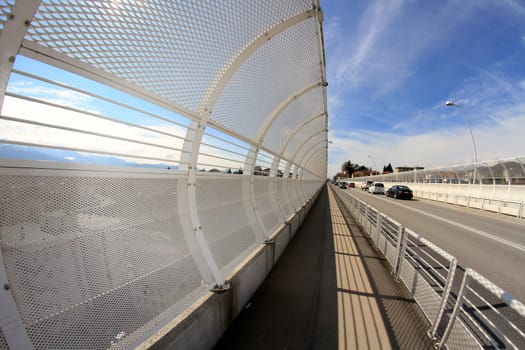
(332, 31)
(522, 84)
(52, 95)
(359, 53)
(60, 117)
(49, 136)
(500, 137)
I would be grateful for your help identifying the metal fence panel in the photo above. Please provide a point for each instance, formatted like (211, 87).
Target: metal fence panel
(229, 238)
(483, 315)
(93, 252)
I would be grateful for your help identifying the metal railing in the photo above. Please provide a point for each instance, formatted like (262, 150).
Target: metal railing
(500, 206)
(478, 315)
(146, 149)
(497, 186)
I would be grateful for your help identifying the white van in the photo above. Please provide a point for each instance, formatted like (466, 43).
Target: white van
(376, 187)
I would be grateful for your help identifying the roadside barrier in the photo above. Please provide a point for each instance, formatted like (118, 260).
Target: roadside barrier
(478, 315)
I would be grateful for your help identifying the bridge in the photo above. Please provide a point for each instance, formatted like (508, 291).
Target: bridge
(156, 160)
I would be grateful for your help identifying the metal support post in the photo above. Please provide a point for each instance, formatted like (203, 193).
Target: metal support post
(455, 311)
(400, 252)
(444, 298)
(379, 221)
(11, 323)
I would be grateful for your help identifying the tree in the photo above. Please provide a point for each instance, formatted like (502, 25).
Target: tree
(339, 175)
(348, 168)
(388, 169)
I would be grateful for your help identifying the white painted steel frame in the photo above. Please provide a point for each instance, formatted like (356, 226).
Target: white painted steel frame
(11, 323)
(12, 43)
(11, 38)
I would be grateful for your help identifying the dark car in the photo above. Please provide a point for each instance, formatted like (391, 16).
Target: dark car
(342, 185)
(399, 192)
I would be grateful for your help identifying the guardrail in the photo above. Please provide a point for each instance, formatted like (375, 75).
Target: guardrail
(500, 206)
(478, 315)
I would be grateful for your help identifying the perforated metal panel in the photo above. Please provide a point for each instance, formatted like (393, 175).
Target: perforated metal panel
(304, 133)
(6, 9)
(3, 342)
(285, 201)
(283, 66)
(224, 219)
(267, 206)
(130, 103)
(92, 259)
(138, 42)
(292, 117)
(230, 63)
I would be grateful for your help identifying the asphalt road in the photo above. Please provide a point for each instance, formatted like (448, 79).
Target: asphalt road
(491, 244)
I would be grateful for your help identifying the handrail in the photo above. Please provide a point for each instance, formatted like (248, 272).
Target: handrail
(429, 274)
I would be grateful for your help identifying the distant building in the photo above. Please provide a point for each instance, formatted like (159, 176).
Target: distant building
(401, 169)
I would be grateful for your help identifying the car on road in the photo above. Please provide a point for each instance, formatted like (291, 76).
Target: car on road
(351, 185)
(366, 184)
(377, 188)
(399, 192)
(343, 185)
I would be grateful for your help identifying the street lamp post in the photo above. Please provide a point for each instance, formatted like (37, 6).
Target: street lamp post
(375, 165)
(451, 104)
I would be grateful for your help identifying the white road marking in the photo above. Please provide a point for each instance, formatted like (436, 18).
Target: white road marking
(467, 228)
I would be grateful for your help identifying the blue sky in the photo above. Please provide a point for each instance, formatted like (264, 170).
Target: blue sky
(391, 65)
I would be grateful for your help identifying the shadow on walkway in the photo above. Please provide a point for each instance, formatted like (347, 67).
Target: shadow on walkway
(329, 290)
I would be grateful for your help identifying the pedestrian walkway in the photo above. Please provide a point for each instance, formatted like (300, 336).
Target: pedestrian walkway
(329, 290)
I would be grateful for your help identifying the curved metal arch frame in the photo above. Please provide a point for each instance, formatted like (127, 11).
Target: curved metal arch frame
(311, 159)
(296, 131)
(11, 38)
(277, 159)
(300, 162)
(522, 165)
(273, 115)
(307, 160)
(195, 134)
(296, 164)
(306, 140)
(200, 118)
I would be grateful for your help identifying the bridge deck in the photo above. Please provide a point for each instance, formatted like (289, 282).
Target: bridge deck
(329, 290)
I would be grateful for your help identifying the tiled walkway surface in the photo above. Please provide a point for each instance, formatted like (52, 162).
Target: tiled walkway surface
(360, 323)
(329, 290)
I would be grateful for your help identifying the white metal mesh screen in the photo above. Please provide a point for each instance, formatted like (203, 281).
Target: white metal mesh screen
(229, 236)
(114, 115)
(138, 42)
(92, 257)
(293, 117)
(304, 133)
(279, 69)
(267, 206)
(284, 198)
(6, 10)
(3, 342)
